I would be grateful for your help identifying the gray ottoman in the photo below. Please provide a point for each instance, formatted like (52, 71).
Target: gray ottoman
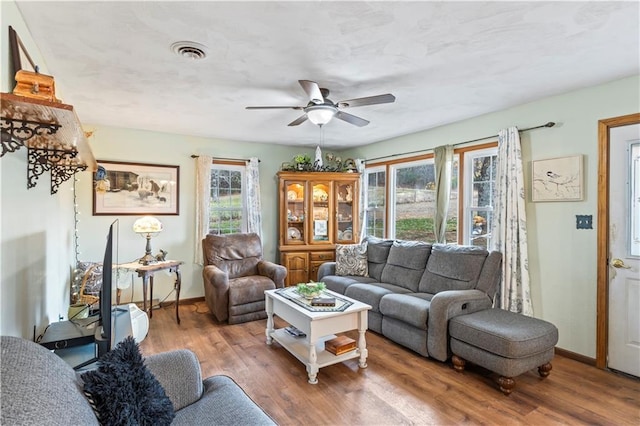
(504, 342)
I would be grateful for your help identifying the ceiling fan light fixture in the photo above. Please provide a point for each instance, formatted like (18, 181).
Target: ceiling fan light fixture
(320, 114)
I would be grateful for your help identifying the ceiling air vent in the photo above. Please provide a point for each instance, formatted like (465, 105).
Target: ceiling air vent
(189, 50)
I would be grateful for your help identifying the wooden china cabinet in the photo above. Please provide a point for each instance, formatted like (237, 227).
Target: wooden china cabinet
(317, 211)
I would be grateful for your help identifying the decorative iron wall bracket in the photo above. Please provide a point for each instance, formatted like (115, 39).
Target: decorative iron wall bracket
(52, 134)
(61, 174)
(16, 132)
(61, 164)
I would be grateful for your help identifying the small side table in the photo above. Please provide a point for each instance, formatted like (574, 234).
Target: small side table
(146, 272)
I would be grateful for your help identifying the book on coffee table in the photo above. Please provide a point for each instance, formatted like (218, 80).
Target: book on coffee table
(323, 301)
(340, 345)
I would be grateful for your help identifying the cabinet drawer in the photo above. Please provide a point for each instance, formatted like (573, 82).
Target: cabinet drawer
(325, 256)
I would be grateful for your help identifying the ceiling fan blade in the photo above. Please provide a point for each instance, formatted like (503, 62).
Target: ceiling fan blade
(370, 100)
(274, 107)
(299, 120)
(313, 90)
(360, 122)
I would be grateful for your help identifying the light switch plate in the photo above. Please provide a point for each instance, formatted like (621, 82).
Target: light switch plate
(584, 221)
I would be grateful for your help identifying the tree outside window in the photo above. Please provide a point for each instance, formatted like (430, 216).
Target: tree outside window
(481, 173)
(414, 199)
(227, 206)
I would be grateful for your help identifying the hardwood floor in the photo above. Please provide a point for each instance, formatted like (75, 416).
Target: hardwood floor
(398, 386)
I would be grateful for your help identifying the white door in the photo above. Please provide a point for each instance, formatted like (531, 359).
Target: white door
(624, 250)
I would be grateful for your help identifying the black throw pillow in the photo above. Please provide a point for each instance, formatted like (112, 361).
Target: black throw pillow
(123, 392)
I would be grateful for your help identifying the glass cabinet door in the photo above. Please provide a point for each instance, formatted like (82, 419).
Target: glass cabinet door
(321, 226)
(296, 213)
(345, 193)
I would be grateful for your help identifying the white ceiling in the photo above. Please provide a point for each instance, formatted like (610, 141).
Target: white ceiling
(444, 61)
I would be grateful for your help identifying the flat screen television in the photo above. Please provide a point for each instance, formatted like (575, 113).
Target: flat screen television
(106, 337)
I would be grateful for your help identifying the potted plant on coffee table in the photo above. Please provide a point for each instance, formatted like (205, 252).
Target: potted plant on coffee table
(311, 290)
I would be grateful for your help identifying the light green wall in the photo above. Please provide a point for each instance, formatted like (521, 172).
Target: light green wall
(117, 144)
(562, 259)
(36, 228)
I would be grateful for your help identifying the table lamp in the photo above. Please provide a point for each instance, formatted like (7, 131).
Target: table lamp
(147, 225)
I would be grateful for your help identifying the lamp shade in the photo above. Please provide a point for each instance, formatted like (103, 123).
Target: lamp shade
(147, 225)
(320, 114)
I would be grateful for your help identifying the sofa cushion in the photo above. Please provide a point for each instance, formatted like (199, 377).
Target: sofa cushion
(249, 289)
(123, 391)
(452, 267)
(412, 308)
(377, 253)
(372, 293)
(406, 263)
(339, 284)
(35, 381)
(351, 259)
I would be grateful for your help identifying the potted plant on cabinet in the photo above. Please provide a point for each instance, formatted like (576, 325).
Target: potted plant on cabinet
(303, 161)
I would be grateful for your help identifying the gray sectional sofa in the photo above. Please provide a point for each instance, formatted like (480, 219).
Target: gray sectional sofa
(39, 388)
(414, 288)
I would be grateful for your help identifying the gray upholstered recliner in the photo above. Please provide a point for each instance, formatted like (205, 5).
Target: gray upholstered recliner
(235, 277)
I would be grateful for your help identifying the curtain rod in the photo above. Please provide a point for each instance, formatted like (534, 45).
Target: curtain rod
(225, 158)
(549, 124)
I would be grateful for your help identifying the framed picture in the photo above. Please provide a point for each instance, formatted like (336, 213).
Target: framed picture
(320, 227)
(136, 189)
(557, 179)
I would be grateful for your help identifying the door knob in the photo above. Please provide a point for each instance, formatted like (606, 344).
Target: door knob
(619, 263)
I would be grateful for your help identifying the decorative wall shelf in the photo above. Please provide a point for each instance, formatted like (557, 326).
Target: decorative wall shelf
(52, 134)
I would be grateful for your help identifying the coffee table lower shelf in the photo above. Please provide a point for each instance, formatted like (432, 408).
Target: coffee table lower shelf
(299, 347)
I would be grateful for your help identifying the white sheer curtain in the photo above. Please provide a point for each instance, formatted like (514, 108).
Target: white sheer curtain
(252, 194)
(360, 165)
(443, 156)
(509, 229)
(203, 197)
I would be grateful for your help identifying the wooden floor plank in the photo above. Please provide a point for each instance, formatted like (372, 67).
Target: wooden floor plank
(399, 387)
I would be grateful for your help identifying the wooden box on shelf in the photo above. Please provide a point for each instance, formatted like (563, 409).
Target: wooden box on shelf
(340, 345)
(35, 85)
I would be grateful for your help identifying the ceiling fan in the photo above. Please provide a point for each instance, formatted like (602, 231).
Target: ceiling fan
(320, 109)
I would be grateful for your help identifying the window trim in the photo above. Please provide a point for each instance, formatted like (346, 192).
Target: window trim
(365, 206)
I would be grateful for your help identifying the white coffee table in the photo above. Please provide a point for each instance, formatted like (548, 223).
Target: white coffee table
(319, 327)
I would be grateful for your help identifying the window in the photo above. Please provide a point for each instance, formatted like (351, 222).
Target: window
(412, 192)
(410, 212)
(480, 175)
(375, 202)
(227, 207)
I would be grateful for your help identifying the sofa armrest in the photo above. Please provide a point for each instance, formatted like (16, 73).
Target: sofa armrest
(179, 374)
(444, 306)
(223, 402)
(216, 287)
(327, 268)
(277, 273)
